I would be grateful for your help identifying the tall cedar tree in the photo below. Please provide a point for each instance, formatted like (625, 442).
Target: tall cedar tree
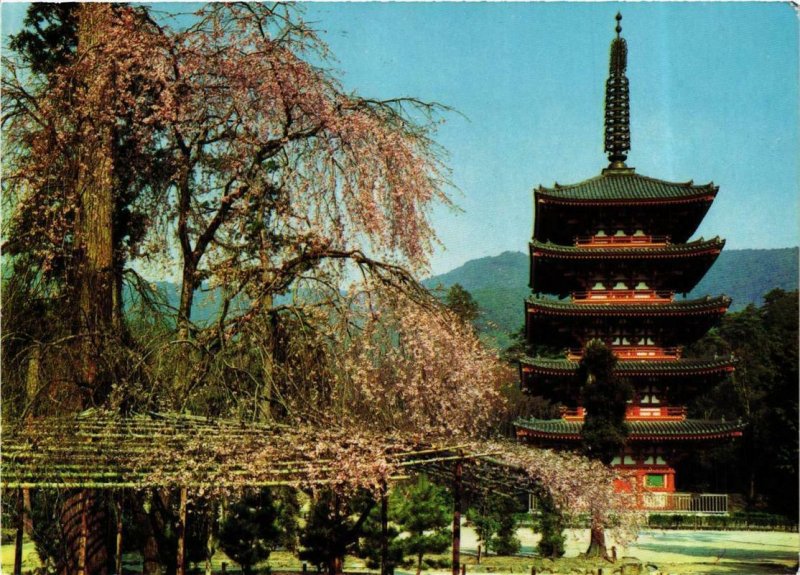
(79, 31)
(604, 397)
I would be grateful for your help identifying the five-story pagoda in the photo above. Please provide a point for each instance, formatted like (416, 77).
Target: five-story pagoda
(616, 250)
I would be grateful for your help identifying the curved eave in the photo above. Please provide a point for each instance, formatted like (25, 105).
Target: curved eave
(639, 431)
(627, 188)
(663, 368)
(698, 307)
(669, 251)
(543, 196)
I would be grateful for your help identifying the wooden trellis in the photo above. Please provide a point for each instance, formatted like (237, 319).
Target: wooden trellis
(102, 450)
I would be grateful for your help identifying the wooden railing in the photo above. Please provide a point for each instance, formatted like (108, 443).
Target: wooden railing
(622, 296)
(715, 503)
(633, 412)
(605, 241)
(572, 413)
(679, 503)
(646, 352)
(629, 352)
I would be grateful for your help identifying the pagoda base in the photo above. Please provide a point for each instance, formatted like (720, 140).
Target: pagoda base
(648, 479)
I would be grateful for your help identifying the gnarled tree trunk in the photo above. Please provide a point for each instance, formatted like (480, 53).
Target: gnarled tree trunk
(597, 541)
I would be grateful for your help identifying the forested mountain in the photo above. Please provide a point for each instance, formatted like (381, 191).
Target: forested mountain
(500, 283)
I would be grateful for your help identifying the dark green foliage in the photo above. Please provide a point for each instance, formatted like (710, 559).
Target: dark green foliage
(494, 518)
(461, 302)
(288, 509)
(484, 521)
(47, 535)
(737, 520)
(604, 396)
(519, 347)
(424, 513)
(201, 526)
(506, 542)
(49, 36)
(763, 393)
(551, 527)
(520, 404)
(369, 545)
(250, 530)
(332, 529)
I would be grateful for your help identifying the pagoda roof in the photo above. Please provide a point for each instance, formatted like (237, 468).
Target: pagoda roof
(701, 306)
(560, 269)
(626, 187)
(696, 247)
(657, 430)
(674, 368)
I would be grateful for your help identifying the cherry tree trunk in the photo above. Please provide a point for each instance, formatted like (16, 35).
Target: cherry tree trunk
(597, 542)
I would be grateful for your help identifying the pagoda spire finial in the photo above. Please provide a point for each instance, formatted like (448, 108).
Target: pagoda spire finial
(618, 130)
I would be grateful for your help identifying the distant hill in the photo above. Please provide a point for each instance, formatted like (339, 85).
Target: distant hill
(500, 283)
(205, 307)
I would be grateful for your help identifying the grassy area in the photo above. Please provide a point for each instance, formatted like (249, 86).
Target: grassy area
(30, 560)
(665, 552)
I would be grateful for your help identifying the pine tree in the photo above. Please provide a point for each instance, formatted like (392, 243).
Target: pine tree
(424, 513)
(461, 302)
(551, 527)
(371, 542)
(250, 531)
(494, 520)
(332, 528)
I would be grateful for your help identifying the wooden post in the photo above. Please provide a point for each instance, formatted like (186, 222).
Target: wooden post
(384, 529)
(20, 531)
(479, 554)
(26, 511)
(84, 534)
(181, 562)
(457, 472)
(118, 549)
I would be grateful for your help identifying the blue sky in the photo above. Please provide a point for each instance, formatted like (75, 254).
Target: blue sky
(714, 96)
